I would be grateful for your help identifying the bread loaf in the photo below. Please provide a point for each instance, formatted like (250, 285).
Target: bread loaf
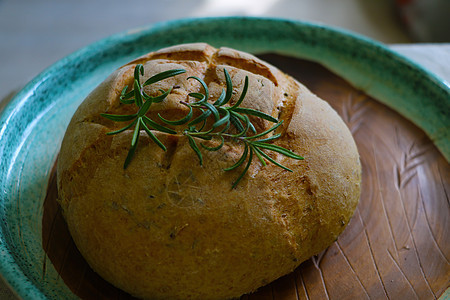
(167, 227)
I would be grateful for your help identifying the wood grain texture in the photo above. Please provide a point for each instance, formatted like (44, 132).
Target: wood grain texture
(397, 245)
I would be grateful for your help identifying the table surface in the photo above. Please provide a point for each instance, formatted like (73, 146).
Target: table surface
(38, 33)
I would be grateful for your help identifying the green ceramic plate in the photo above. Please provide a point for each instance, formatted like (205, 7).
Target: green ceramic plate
(33, 124)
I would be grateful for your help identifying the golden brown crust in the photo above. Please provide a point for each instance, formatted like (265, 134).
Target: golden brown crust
(168, 228)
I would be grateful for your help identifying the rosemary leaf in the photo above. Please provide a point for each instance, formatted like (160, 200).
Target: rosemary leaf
(221, 100)
(247, 126)
(278, 149)
(265, 132)
(244, 92)
(214, 148)
(271, 159)
(200, 118)
(250, 158)
(122, 129)
(135, 134)
(131, 101)
(133, 147)
(138, 69)
(205, 87)
(199, 96)
(235, 121)
(195, 148)
(137, 93)
(223, 120)
(203, 124)
(241, 159)
(161, 97)
(261, 159)
(144, 108)
(213, 110)
(153, 124)
(229, 85)
(129, 156)
(119, 118)
(273, 137)
(226, 127)
(256, 113)
(152, 136)
(181, 121)
(124, 95)
(242, 118)
(163, 75)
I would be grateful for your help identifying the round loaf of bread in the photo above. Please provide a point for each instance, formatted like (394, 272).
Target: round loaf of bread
(167, 227)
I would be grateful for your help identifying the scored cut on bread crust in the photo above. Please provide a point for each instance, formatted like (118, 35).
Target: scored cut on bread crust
(167, 227)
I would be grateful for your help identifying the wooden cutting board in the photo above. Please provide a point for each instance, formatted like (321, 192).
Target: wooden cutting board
(397, 245)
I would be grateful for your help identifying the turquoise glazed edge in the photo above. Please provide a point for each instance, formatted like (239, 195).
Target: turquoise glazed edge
(34, 122)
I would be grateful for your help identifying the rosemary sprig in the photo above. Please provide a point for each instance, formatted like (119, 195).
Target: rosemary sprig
(230, 122)
(143, 102)
(226, 117)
